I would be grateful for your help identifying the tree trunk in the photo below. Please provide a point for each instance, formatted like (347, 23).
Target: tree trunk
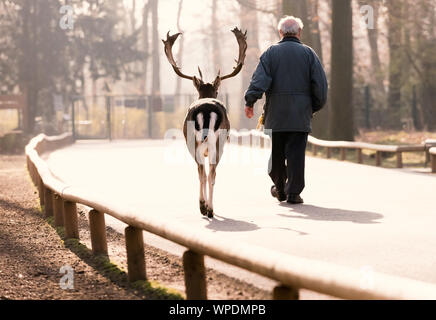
(155, 85)
(299, 9)
(314, 28)
(132, 17)
(429, 86)
(320, 120)
(145, 46)
(373, 44)
(249, 22)
(28, 66)
(180, 52)
(307, 11)
(424, 59)
(395, 63)
(94, 92)
(216, 51)
(341, 115)
(156, 49)
(378, 92)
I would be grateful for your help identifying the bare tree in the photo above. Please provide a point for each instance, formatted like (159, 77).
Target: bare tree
(377, 80)
(156, 121)
(132, 16)
(249, 21)
(307, 11)
(299, 9)
(395, 31)
(216, 48)
(373, 34)
(320, 121)
(145, 45)
(341, 108)
(180, 52)
(421, 55)
(155, 86)
(315, 31)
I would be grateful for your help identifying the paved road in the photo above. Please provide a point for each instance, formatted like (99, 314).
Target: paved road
(354, 215)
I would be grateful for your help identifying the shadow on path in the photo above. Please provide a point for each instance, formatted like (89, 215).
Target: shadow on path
(219, 223)
(304, 211)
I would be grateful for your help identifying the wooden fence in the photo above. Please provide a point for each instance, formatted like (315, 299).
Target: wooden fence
(257, 138)
(291, 273)
(432, 152)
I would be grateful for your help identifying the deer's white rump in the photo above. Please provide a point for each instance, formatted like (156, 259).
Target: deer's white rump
(206, 129)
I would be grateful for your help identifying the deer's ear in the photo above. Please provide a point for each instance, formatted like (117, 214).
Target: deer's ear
(197, 82)
(217, 82)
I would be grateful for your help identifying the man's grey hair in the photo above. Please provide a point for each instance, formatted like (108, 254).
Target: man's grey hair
(290, 25)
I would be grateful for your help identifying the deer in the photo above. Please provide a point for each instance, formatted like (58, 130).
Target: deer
(206, 125)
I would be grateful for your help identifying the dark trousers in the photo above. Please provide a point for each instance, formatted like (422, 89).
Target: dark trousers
(289, 146)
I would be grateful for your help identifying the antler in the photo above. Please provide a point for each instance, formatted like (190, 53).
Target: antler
(242, 42)
(168, 43)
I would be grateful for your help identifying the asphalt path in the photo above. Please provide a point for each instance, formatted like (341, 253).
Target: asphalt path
(365, 217)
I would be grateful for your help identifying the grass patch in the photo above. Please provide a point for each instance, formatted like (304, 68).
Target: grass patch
(152, 290)
(395, 137)
(157, 291)
(8, 120)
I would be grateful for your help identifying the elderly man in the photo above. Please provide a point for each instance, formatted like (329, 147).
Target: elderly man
(294, 81)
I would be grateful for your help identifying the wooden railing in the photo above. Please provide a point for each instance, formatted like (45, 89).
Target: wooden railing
(257, 138)
(432, 152)
(292, 273)
(250, 138)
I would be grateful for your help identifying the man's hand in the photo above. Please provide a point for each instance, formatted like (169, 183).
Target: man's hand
(249, 112)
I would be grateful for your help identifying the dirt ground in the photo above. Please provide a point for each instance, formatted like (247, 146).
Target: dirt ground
(32, 253)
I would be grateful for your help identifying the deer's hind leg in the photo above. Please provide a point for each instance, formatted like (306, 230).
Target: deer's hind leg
(203, 179)
(211, 181)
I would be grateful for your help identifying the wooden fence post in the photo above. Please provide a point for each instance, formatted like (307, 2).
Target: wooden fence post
(70, 220)
(359, 155)
(427, 157)
(329, 152)
(58, 210)
(32, 173)
(195, 276)
(40, 190)
(343, 154)
(48, 202)
(135, 254)
(378, 159)
(28, 163)
(97, 228)
(433, 163)
(282, 292)
(399, 159)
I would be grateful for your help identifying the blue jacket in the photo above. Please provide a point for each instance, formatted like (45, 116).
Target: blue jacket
(294, 82)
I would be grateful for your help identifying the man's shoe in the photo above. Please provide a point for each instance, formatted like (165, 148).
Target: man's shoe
(277, 194)
(294, 199)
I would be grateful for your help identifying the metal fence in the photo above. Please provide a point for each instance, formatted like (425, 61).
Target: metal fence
(128, 116)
